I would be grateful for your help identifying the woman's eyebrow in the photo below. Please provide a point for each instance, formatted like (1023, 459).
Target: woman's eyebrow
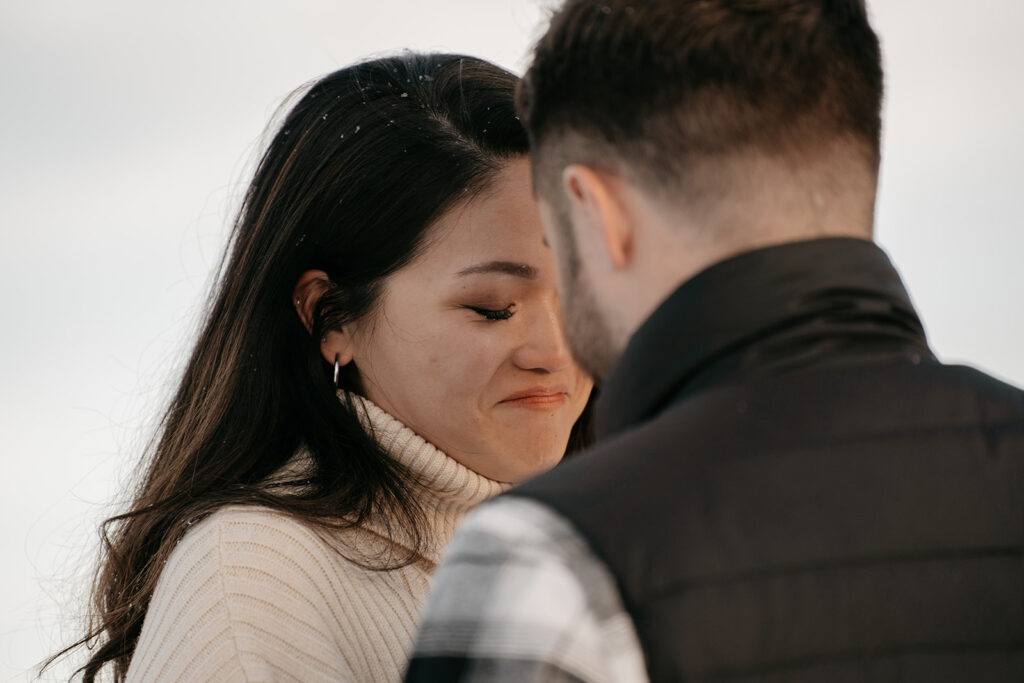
(505, 267)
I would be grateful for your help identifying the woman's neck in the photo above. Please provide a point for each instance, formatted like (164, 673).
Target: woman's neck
(447, 489)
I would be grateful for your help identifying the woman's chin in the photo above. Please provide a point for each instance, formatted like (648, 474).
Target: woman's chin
(533, 459)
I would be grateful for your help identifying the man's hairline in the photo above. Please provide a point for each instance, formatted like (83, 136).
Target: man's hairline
(605, 161)
(604, 158)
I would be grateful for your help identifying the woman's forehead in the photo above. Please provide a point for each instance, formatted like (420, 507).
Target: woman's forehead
(501, 225)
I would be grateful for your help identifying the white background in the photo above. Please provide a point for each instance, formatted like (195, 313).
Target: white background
(126, 133)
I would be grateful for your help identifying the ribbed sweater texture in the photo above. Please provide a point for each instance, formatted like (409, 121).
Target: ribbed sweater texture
(251, 594)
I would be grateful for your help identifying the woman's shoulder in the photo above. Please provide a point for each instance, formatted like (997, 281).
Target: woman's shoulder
(246, 552)
(251, 526)
(255, 544)
(240, 589)
(255, 592)
(241, 551)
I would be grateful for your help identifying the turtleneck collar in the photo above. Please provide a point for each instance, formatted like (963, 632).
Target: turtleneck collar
(772, 310)
(449, 488)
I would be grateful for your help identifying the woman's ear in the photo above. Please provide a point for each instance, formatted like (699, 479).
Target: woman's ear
(335, 344)
(311, 285)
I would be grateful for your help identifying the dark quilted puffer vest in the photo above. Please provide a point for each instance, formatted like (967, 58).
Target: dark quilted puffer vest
(789, 487)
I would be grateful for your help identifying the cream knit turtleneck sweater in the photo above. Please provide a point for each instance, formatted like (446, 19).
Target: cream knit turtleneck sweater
(250, 594)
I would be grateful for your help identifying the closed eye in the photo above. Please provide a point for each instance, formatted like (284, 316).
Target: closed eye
(492, 314)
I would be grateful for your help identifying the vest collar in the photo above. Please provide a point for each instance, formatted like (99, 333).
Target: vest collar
(765, 311)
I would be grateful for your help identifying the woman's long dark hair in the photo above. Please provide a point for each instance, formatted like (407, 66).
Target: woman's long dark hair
(357, 172)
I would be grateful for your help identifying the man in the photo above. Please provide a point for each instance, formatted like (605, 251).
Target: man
(788, 486)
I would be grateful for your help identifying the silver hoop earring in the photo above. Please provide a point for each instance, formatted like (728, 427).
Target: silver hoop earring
(337, 369)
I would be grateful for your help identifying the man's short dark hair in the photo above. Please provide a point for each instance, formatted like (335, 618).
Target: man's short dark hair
(664, 84)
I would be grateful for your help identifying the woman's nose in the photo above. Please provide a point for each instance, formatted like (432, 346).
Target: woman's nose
(544, 346)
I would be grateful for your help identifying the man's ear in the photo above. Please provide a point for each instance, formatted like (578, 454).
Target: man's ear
(598, 209)
(335, 344)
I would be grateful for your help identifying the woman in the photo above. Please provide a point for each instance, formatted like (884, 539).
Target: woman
(382, 353)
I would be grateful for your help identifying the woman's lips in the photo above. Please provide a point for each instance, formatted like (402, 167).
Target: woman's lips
(538, 399)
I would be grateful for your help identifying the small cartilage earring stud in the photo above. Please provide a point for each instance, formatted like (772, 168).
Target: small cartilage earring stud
(298, 302)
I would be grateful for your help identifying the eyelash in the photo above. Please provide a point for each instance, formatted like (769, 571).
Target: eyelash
(493, 315)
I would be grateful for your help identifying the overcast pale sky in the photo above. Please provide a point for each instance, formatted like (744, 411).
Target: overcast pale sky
(127, 130)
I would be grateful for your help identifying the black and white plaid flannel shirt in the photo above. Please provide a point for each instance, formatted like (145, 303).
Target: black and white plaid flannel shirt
(521, 597)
